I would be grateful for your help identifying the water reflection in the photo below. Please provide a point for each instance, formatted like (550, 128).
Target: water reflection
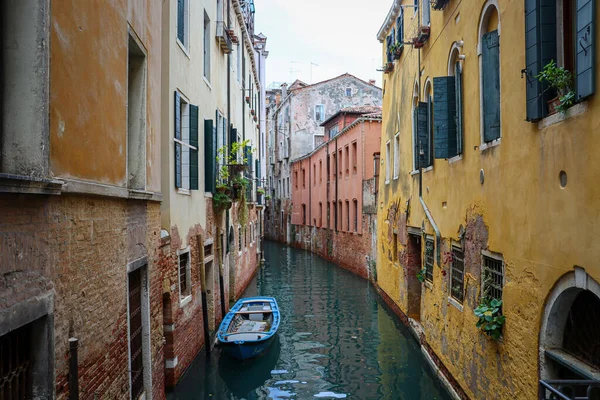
(336, 340)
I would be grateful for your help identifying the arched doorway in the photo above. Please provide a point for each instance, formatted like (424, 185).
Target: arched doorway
(569, 349)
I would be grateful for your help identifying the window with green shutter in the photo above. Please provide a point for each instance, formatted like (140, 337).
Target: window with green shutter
(194, 147)
(422, 143)
(182, 20)
(490, 64)
(210, 156)
(177, 142)
(444, 116)
(574, 50)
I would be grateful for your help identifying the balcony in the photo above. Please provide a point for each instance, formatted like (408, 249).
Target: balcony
(569, 389)
(224, 37)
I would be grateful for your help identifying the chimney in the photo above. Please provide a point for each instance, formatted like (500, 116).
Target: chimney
(372, 82)
(283, 91)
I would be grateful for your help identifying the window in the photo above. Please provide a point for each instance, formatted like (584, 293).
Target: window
(421, 136)
(333, 131)
(340, 162)
(395, 246)
(319, 113)
(447, 110)
(288, 185)
(136, 116)
(492, 277)
(186, 145)
(355, 204)
(347, 215)
(296, 179)
(340, 214)
(303, 178)
(240, 238)
(354, 158)
(429, 248)
(489, 51)
(396, 155)
(328, 215)
(320, 171)
(320, 214)
(303, 214)
(572, 47)
(17, 358)
(335, 214)
(183, 18)
(347, 159)
(387, 162)
(349, 92)
(314, 176)
(239, 63)
(136, 333)
(333, 165)
(184, 274)
(457, 275)
(206, 46)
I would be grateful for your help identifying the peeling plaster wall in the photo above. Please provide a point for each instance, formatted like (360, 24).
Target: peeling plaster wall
(520, 211)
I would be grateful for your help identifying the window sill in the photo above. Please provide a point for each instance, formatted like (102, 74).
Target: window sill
(208, 195)
(488, 145)
(185, 192)
(395, 177)
(387, 182)
(184, 301)
(455, 303)
(554, 119)
(416, 171)
(207, 82)
(182, 47)
(455, 159)
(428, 284)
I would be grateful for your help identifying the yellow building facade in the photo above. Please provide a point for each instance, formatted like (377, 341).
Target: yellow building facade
(485, 193)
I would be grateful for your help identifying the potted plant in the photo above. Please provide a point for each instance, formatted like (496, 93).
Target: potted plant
(239, 187)
(560, 80)
(221, 202)
(237, 160)
(490, 317)
(268, 197)
(396, 50)
(389, 67)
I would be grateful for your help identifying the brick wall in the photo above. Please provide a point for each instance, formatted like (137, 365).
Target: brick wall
(80, 246)
(347, 249)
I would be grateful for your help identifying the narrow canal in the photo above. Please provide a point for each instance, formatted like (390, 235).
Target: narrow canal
(336, 340)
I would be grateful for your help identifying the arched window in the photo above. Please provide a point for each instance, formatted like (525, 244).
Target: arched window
(488, 50)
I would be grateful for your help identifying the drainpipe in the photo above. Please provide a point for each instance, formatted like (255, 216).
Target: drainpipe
(73, 369)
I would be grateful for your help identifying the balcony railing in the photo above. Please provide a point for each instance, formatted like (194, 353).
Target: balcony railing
(569, 389)
(224, 37)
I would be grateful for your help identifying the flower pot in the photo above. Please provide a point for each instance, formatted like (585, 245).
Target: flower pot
(224, 189)
(553, 105)
(222, 205)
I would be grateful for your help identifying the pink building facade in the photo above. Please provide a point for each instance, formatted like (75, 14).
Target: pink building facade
(333, 191)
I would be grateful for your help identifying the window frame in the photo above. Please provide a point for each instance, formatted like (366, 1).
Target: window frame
(387, 161)
(184, 130)
(396, 156)
(187, 293)
(349, 89)
(458, 303)
(322, 113)
(206, 47)
(427, 266)
(496, 257)
(185, 45)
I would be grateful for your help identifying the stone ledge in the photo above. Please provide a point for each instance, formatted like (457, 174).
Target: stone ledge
(10, 183)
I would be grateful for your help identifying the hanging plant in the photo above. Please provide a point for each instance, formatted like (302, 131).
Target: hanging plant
(490, 317)
(243, 210)
(421, 275)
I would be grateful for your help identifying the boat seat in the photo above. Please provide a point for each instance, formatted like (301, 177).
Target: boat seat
(256, 317)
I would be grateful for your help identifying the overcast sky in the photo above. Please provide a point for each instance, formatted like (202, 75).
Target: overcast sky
(337, 35)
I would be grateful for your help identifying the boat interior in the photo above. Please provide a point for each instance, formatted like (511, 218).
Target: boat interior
(251, 322)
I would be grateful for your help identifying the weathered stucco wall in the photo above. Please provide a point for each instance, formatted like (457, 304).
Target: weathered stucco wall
(519, 211)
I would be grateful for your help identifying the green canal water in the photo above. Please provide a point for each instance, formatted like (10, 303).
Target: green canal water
(336, 340)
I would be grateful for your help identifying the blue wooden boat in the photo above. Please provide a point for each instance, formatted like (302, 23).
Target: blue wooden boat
(249, 327)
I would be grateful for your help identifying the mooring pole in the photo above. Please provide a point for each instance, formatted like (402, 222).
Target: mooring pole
(207, 343)
(73, 369)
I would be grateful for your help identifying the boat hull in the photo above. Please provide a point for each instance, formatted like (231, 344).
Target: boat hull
(246, 350)
(248, 344)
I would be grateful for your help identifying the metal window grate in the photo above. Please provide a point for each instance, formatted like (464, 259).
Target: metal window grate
(15, 364)
(493, 278)
(429, 247)
(457, 282)
(183, 264)
(208, 250)
(135, 333)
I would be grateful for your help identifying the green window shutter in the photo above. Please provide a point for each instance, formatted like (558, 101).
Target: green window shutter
(209, 157)
(540, 49)
(415, 138)
(388, 50)
(584, 62)
(423, 136)
(490, 62)
(180, 21)
(459, 110)
(444, 112)
(194, 142)
(233, 136)
(178, 137)
(400, 26)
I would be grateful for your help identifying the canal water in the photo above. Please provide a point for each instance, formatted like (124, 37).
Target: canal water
(336, 340)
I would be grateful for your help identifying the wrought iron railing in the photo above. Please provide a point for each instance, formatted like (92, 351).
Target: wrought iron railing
(561, 389)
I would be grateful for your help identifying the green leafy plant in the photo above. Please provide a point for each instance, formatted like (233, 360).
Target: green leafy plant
(221, 201)
(490, 317)
(560, 79)
(260, 191)
(268, 197)
(421, 275)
